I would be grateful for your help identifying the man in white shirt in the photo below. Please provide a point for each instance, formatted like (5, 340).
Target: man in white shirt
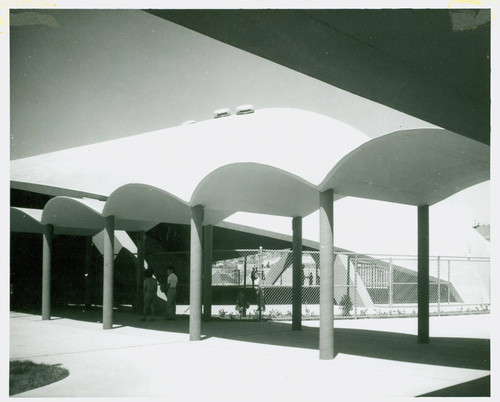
(171, 293)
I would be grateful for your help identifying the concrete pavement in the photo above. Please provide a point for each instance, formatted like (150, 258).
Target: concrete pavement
(249, 360)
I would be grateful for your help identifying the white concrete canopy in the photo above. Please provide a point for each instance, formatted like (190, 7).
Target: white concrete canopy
(176, 160)
(150, 204)
(72, 212)
(29, 220)
(67, 212)
(142, 202)
(272, 161)
(26, 220)
(257, 188)
(415, 167)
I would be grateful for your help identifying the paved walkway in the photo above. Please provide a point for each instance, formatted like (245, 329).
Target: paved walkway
(240, 361)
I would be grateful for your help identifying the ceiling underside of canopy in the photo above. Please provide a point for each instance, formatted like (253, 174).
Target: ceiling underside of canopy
(433, 64)
(414, 167)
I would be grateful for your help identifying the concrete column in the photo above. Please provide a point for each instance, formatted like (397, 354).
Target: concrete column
(423, 274)
(297, 274)
(326, 272)
(48, 232)
(89, 275)
(109, 254)
(195, 280)
(139, 274)
(207, 271)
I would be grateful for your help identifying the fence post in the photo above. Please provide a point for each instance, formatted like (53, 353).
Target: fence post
(390, 283)
(348, 282)
(260, 272)
(245, 273)
(439, 284)
(449, 281)
(355, 286)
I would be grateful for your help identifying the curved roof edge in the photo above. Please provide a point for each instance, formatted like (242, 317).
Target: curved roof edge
(257, 188)
(277, 136)
(67, 212)
(63, 211)
(143, 202)
(415, 167)
(53, 191)
(26, 220)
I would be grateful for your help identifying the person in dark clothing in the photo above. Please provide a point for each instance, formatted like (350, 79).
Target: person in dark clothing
(150, 287)
(253, 276)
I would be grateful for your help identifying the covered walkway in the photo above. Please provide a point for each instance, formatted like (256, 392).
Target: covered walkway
(178, 181)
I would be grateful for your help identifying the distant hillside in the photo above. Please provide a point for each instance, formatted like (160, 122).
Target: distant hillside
(484, 230)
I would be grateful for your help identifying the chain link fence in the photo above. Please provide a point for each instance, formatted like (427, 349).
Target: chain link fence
(257, 283)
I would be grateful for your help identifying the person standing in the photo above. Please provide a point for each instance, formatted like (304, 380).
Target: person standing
(242, 304)
(150, 287)
(253, 276)
(171, 293)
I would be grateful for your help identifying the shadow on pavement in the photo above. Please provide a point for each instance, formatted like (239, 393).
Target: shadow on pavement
(466, 353)
(452, 352)
(479, 387)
